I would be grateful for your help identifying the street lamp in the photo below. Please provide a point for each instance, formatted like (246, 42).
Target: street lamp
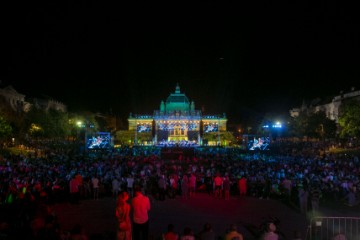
(85, 125)
(79, 125)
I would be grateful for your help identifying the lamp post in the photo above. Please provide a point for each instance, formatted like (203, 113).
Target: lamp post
(79, 125)
(86, 125)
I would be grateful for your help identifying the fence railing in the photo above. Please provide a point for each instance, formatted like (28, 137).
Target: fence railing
(334, 228)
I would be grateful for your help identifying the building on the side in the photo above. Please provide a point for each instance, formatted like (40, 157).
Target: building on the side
(14, 99)
(331, 107)
(177, 122)
(18, 102)
(47, 104)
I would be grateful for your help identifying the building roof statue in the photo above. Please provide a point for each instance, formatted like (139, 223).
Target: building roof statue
(192, 106)
(162, 106)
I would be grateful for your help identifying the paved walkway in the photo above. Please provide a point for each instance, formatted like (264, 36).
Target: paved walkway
(97, 216)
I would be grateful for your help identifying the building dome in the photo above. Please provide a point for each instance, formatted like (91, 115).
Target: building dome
(177, 101)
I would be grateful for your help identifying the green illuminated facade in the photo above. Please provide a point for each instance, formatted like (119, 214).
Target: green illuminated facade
(177, 122)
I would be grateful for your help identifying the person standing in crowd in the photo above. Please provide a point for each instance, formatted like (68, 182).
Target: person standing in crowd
(218, 185)
(192, 185)
(122, 214)
(141, 206)
(173, 182)
(207, 233)
(226, 186)
(185, 187)
(80, 181)
(287, 187)
(303, 198)
(74, 191)
(87, 188)
(209, 184)
(162, 187)
(115, 187)
(95, 186)
(267, 188)
(233, 233)
(170, 233)
(351, 197)
(270, 233)
(315, 198)
(188, 234)
(130, 184)
(242, 184)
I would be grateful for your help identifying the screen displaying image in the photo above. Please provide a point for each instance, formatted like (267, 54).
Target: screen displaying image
(101, 140)
(144, 128)
(259, 143)
(210, 128)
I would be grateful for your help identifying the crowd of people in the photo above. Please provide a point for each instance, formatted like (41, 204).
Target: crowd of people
(298, 173)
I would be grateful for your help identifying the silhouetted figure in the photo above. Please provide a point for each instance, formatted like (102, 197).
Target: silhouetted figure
(141, 206)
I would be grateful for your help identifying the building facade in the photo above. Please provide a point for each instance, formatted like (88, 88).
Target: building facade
(331, 107)
(47, 104)
(177, 122)
(18, 103)
(15, 100)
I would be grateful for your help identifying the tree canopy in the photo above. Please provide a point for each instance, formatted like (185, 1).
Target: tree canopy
(350, 120)
(313, 125)
(5, 128)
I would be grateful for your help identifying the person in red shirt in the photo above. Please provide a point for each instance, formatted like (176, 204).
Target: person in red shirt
(141, 206)
(218, 184)
(74, 190)
(242, 184)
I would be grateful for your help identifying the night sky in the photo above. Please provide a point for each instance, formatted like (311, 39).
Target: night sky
(240, 60)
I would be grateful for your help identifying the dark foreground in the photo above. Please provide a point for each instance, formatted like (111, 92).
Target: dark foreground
(97, 216)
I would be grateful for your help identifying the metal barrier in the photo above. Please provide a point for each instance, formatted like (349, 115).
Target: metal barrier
(334, 228)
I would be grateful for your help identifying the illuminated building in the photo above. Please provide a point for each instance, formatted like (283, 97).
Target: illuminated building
(177, 122)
